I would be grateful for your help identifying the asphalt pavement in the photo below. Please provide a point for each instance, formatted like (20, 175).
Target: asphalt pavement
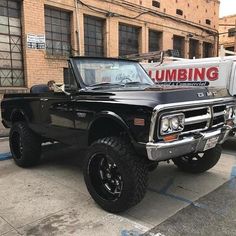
(52, 199)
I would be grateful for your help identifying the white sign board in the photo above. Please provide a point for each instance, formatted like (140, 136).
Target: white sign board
(36, 41)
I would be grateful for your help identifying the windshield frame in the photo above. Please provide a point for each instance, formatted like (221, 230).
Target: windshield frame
(74, 60)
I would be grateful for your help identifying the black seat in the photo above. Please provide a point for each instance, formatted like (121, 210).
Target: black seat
(40, 88)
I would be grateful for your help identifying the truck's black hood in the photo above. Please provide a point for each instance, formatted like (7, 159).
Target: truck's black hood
(151, 96)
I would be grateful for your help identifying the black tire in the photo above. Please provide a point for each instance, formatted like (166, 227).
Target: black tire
(25, 145)
(113, 157)
(198, 163)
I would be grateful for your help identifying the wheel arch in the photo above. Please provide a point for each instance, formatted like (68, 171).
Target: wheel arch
(18, 115)
(105, 124)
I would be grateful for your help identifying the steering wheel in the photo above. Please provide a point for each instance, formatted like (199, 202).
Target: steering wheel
(126, 78)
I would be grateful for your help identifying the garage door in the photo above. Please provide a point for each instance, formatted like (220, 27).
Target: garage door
(11, 60)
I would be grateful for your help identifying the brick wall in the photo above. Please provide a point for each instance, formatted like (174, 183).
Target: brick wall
(227, 23)
(40, 68)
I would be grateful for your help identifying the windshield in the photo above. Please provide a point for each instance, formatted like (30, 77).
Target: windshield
(102, 72)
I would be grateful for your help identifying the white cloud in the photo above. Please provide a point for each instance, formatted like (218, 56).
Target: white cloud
(227, 7)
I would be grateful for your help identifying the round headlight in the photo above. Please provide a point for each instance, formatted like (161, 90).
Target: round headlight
(164, 124)
(174, 123)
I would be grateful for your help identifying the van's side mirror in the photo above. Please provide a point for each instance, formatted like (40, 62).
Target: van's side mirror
(69, 81)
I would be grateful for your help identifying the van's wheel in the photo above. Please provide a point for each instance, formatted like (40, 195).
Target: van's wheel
(199, 162)
(25, 145)
(115, 177)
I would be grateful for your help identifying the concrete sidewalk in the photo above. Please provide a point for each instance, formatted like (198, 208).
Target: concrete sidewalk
(52, 199)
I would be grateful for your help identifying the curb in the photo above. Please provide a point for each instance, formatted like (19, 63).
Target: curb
(4, 138)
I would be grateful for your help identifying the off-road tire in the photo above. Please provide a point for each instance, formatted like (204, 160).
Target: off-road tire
(25, 145)
(206, 162)
(132, 169)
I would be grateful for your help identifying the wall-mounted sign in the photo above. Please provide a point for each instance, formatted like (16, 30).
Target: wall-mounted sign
(36, 41)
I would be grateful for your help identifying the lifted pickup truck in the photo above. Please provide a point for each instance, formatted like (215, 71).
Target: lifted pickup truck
(128, 124)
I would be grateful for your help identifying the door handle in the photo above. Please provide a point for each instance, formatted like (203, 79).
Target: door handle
(44, 99)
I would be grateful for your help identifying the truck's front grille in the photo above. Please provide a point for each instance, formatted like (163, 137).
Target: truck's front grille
(197, 119)
(203, 118)
(218, 115)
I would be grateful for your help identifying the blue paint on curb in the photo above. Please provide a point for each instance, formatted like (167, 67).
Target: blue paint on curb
(5, 156)
(130, 233)
(164, 192)
(232, 184)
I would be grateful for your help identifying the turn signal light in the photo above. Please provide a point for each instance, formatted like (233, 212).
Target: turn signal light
(170, 138)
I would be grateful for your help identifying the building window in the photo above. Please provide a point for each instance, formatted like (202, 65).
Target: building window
(154, 40)
(93, 36)
(11, 57)
(193, 48)
(128, 39)
(156, 4)
(208, 22)
(58, 32)
(230, 49)
(207, 50)
(231, 32)
(179, 12)
(179, 45)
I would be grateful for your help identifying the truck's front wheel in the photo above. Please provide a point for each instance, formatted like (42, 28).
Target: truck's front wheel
(25, 145)
(199, 162)
(115, 177)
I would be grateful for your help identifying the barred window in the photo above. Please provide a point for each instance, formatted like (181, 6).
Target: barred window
(208, 22)
(207, 49)
(179, 12)
(154, 40)
(156, 4)
(231, 32)
(11, 56)
(179, 44)
(93, 36)
(58, 32)
(193, 48)
(128, 39)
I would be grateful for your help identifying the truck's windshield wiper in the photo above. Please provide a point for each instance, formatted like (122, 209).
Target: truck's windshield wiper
(105, 84)
(137, 83)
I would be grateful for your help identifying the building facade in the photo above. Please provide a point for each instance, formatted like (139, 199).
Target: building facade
(37, 37)
(227, 28)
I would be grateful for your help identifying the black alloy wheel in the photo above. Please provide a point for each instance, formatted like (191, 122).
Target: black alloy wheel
(115, 176)
(199, 162)
(105, 177)
(25, 145)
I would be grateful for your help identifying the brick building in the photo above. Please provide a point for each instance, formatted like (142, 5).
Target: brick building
(227, 32)
(97, 28)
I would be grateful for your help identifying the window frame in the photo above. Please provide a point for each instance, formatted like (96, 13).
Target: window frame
(58, 31)
(133, 30)
(92, 36)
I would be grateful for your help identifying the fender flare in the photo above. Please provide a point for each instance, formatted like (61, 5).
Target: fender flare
(19, 111)
(116, 118)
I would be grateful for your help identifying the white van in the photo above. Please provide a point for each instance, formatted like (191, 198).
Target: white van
(215, 72)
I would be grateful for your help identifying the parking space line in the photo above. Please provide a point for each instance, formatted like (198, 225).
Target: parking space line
(5, 156)
(164, 191)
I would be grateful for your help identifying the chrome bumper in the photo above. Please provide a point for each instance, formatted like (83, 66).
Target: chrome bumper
(162, 151)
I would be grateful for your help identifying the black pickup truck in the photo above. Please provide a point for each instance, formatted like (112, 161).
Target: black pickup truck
(127, 124)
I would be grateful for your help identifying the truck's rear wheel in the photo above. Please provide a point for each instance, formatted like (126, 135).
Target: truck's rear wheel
(25, 145)
(199, 162)
(115, 177)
